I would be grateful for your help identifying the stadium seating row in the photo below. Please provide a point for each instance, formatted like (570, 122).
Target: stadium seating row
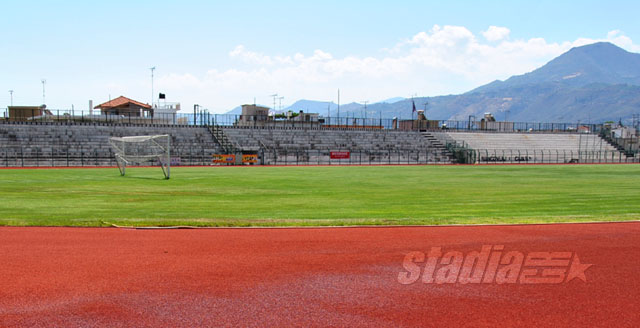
(536, 147)
(61, 145)
(79, 145)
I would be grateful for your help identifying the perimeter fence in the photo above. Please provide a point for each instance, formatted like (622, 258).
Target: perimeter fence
(541, 156)
(87, 156)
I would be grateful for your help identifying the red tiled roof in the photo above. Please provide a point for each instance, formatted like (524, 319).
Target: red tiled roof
(122, 100)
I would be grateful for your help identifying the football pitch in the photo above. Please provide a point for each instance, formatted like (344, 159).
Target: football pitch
(320, 196)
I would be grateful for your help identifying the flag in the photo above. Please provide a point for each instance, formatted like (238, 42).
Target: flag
(414, 106)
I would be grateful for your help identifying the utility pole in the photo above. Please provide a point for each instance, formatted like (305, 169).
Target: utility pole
(11, 94)
(44, 81)
(152, 69)
(280, 102)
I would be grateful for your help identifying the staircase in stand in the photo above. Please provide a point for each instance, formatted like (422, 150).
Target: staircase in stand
(439, 146)
(222, 139)
(627, 152)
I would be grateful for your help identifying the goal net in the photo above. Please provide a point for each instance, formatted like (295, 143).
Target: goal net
(143, 150)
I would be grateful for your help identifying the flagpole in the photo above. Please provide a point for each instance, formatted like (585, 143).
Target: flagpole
(413, 108)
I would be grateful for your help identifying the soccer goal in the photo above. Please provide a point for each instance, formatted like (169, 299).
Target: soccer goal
(143, 149)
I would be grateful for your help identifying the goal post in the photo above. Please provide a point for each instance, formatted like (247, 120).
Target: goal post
(143, 149)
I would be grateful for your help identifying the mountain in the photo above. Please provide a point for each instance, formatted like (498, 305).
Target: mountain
(392, 100)
(597, 82)
(324, 108)
(312, 106)
(592, 83)
(235, 111)
(600, 62)
(238, 110)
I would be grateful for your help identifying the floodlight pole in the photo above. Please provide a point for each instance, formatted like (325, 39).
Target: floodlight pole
(195, 115)
(365, 108)
(338, 106)
(11, 94)
(152, 69)
(44, 81)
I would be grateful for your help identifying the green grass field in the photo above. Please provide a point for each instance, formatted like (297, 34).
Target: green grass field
(269, 196)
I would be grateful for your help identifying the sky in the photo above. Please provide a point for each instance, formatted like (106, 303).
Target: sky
(221, 54)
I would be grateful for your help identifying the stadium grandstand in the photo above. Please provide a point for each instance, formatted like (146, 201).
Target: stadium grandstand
(53, 138)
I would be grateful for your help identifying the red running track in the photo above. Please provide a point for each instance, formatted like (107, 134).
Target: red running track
(97, 277)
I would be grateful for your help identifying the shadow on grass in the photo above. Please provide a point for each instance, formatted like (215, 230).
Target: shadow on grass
(142, 178)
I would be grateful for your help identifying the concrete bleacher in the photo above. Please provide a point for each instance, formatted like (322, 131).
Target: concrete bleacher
(536, 147)
(87, 145)
(82, 145)
(313, 145)
(324, 139)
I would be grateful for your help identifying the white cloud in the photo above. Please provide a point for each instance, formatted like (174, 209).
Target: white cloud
(617, 37)
(250, 57)
(443, 60)
(496, 33)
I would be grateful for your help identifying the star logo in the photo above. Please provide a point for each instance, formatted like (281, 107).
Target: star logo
(577, 270)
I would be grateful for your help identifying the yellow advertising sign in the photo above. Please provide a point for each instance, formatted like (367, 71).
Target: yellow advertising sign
(224, 159)
(253, 158)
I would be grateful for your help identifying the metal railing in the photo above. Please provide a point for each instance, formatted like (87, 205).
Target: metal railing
(86, 156)
(204, 118)
(528, 156)
(626, 145)
(355, 157)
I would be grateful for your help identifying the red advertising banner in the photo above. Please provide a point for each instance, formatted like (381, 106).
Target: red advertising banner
(340, 154)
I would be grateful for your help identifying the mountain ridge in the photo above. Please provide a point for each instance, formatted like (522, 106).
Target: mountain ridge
(591, 83)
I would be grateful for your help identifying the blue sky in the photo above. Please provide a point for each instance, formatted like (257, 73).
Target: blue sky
(223, 54)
